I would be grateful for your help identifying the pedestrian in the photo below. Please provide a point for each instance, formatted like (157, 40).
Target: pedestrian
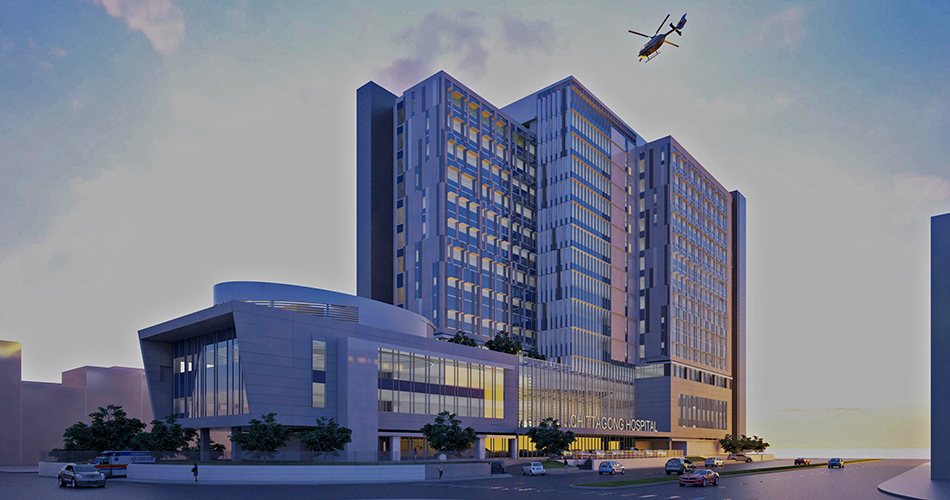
(194, 470)
(440, 472)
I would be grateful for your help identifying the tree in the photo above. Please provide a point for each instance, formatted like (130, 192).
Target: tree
(504, 343)
(447, 434)
(263, 437)
(461, 338)
(533, 353)
(166, 437)
(110, 429)
(731, 444)
(757, 444)
(548, 437)
(327, 436)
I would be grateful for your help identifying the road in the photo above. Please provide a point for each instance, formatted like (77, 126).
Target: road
(855, 481)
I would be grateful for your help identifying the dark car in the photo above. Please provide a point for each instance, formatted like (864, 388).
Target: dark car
(802, 461)
(700, 477)
(77, 475)
(835, 462)
(679, 466)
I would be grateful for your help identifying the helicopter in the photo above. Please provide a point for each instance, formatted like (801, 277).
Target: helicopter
(651, 48)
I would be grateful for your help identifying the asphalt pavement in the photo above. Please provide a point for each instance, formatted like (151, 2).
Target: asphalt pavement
(855, 482)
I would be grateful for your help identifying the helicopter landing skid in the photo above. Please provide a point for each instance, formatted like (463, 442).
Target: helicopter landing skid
(651, 56)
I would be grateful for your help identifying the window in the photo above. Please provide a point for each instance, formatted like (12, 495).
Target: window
(319, 366)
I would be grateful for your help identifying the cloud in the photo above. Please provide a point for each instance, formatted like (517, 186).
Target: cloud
(786, 26)
(159, 20)
(530, 35)
(437, 37)
(58, 52)
(918, 196)
(719, 105)
(76, 105)
(46, 66)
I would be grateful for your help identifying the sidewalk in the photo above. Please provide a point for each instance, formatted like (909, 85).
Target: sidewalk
(916, 484)
(19, 469)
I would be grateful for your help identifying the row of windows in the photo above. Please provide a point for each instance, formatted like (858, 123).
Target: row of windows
(703, 413)
(421, 384)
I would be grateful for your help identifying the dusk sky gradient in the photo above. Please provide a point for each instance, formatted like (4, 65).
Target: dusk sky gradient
(152, 148)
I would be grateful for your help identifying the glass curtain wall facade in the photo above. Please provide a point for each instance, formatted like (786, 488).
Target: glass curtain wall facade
(466, 214)
(428, 385)
(207, 376)
(588, 229)
(699, 265)
(574, 398)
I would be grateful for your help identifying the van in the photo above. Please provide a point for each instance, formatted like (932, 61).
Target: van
(114, 463)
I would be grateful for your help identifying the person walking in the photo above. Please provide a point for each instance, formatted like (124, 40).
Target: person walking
(440, 472)
(194, 470)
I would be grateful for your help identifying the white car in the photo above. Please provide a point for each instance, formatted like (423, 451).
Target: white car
(714, 462)
(532, 469)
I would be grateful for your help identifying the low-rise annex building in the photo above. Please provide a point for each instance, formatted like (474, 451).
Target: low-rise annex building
(305, 353)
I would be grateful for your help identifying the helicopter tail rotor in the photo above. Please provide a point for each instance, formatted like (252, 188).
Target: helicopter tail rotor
(679, 25)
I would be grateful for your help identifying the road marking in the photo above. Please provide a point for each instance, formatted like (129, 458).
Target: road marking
(648, 496)
(629, 495)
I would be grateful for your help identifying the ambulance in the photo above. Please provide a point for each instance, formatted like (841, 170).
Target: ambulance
(114, 463)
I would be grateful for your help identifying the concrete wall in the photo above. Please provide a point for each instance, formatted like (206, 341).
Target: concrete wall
(634, 463)
(940, 346)
(10, 387)
(277, 474)
(43, 429)
(456, 471)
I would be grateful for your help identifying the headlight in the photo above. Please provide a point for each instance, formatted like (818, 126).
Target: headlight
(78, 476)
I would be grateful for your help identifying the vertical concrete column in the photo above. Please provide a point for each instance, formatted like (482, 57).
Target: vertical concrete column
(395, 448)
(11, 452)
(513, 448)
(205, 444)
(480, 448)
(235, 448)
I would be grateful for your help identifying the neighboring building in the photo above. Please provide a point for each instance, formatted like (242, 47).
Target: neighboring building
(553, 220)
(34, 415)
(939, 346)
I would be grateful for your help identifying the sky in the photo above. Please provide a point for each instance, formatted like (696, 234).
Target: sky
(152, 148)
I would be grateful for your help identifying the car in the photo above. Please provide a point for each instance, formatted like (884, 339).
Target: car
(802, 461)
(532, 469)
(608, 467)
(679, 466)
(739, 457)
(835, 462)
(714, 462)
(599, 454)
(700, 477)
(77, 475)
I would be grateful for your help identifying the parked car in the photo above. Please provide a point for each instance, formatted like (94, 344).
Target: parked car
(835, 462)
(739, 457)
(77, 475)
(714, 462)
(599, 454)
(679, 466)
(700, 477)
(610, 468)
(532, 469)
(802, 461)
